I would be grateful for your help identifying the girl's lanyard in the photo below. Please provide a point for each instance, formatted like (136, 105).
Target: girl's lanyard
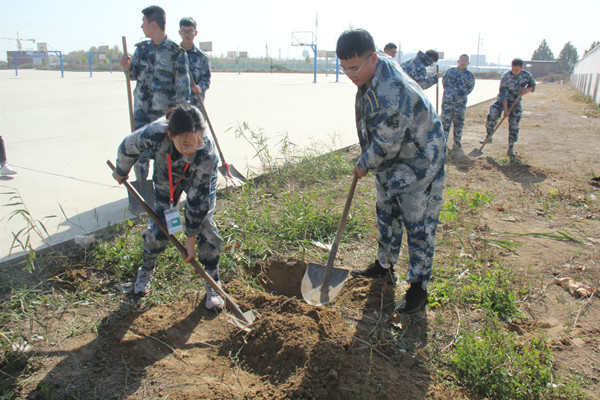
(171, 188)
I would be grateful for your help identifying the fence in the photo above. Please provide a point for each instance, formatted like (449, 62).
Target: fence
(586, 75)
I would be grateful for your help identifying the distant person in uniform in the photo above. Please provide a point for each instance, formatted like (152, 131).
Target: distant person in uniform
(198, 60)
(403, 145)
(185, 161)
(515, 82)
(458, 83)
(390, 49)
(160, 67)
(416, 68)
(5, 169)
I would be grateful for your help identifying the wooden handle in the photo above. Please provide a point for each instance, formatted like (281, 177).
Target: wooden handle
(338, 236)
(203, 109)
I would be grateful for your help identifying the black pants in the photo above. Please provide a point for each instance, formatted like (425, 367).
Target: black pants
(2, 152)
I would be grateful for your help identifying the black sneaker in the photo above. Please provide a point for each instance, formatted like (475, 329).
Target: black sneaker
(414, 300)
(375, 271)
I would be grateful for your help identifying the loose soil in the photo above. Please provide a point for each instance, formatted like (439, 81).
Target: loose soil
(340, 351)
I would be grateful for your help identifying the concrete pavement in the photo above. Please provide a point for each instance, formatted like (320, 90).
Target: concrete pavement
(59, 132)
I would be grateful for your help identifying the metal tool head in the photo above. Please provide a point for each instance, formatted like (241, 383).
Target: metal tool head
(321, 283)
(475, 153)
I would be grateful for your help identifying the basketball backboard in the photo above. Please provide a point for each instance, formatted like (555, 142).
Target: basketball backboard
(303, 38)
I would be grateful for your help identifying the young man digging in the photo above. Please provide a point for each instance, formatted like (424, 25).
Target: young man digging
(514, 84)
(403, 144)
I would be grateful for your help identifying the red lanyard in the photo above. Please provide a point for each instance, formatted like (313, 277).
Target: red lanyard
(171, 188)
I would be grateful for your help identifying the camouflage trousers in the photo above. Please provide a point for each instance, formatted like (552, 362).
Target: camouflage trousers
(418, 213)
(453, 113)
(141, 119)
(496, 111)
(208, 241)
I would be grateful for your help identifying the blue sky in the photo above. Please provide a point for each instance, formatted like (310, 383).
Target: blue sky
(507, 29)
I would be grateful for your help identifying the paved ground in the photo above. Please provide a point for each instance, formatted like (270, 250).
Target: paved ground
(59, 132)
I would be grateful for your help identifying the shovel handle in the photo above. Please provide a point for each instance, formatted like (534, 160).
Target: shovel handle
(128, 80)
(157, 220)
(487, 138)
(338, 236)
(203, 109)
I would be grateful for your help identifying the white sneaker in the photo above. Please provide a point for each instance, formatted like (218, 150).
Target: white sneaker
(7, 170)
(213, 299)
(142, 283)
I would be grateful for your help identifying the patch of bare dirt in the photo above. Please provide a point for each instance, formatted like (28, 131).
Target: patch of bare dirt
(182, 351)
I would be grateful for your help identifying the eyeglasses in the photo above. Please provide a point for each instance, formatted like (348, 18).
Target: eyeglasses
(187, 31)
(354, 71)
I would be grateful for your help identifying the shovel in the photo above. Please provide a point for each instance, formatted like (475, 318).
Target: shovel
(321, 283)
(227, 171)
(477, 152)
(145, 187)
(242, 319)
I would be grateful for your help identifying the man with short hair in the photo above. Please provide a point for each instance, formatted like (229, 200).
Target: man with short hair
(390, 49)
(458, 83)
(160, 67)
(416, 68)
(198, 60)
(514, 84)
(403, 144)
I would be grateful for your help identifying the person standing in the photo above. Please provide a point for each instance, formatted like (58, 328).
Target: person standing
(390, 49)
(458, 83)
(185, 161)
(5, 169)
(198, 60)
(513, 86)
(416, 68)
(403, 145)
(160, 67)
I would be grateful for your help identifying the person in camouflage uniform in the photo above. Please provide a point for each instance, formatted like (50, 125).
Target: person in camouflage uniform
(458, 83)
(513, 86)
(198, 60)
(185, 161)
(160, 67)
(416, 68)
(403, 144)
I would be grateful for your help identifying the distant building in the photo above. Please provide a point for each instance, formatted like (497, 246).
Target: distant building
(22, 60)
(539, 68)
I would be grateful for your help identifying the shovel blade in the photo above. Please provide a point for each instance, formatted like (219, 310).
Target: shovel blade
(321, 284)
(475, 153)
(146, 189)
(232, 175)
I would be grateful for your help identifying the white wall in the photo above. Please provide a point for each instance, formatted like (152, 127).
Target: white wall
(586, 75)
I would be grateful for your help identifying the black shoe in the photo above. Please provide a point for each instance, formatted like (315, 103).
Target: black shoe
(375, 271)
(414, 300)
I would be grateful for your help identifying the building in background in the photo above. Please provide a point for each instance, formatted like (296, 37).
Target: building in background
(539, 68)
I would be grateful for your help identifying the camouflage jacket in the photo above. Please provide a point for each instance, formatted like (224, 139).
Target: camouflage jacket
(416, 68)
(511, 85)
(457, 86)
(199, 72)
(161, 72)
(196, 180)
(400, 134)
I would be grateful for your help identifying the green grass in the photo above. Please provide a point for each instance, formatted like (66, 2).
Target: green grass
(499, 365)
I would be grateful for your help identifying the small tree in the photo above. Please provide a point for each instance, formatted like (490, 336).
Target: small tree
(592, 47)
(543, 53)
(567, 58)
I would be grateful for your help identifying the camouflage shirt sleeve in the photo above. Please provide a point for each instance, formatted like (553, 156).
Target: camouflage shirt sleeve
(148, 137)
